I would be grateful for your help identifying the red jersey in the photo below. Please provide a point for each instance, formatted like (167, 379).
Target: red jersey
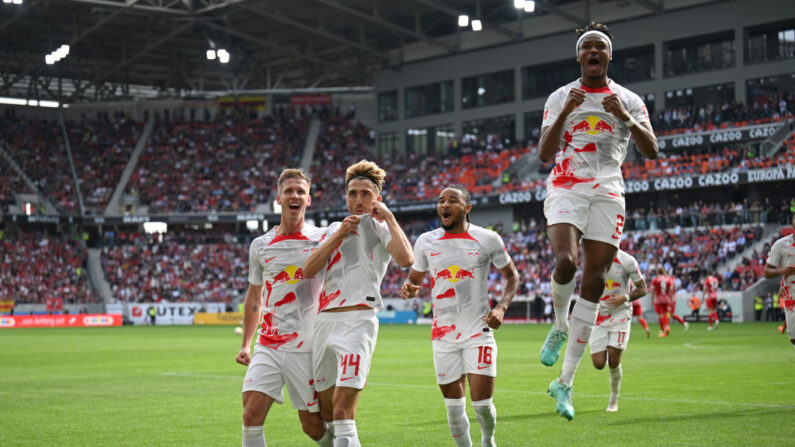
(671, 287)
(711, 285)
(660, 288)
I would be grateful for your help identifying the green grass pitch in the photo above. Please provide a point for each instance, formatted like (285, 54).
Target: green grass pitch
(180, 386)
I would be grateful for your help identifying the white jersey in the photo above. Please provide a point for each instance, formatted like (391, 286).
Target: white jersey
(782, 254)
(623, 271)
(290, 301)
(358, 265)
(459, 267)
(594, 142)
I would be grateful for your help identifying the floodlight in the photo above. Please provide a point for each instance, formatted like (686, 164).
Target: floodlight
(211, 55)
(477, 25)
(529, 6)
(463, 20)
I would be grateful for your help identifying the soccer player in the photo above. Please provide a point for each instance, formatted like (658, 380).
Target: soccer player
(662, 300)
(782, 262)
(672, 303)
(586, 128)
(283, 352)
(458, 257)
(611, 334)
(637, 311)
(709, 294)
(353, 260)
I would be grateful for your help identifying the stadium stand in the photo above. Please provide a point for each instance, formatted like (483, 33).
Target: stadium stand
(10, 184)
(229, 164)
(101, 147)
(37, 265)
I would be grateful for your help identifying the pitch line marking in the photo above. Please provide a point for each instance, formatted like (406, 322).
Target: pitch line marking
(501, 390)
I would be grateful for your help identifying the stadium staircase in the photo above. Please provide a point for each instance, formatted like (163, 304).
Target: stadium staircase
(114, 204)
(309, 146)
(772, 144)
(768, 231)
(526, 167)
(49, 206)
(97, 276)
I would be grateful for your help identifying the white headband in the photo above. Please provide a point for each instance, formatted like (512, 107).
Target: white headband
(597, 33)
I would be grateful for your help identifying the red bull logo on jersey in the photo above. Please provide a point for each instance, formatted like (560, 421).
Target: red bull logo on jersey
(593, 125)
(454, 273)
(612, 285)
(291, 275)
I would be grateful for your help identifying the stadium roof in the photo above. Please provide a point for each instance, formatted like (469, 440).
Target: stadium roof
(144, 48)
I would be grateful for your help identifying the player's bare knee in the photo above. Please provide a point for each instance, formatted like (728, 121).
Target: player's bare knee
(565, 266)
(343, 413)
(253, 417)
(313, 427)
(598, 361)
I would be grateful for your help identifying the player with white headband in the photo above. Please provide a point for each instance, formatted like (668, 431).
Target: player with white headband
(586, 128)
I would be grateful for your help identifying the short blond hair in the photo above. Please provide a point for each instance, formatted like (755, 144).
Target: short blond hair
(366, 169)
(293, 173)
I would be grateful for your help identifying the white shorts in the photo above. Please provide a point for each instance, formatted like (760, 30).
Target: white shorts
(790, 314)
(599, 218)
(270, 370)
(343, 348)
(473, 356)
(613, 335)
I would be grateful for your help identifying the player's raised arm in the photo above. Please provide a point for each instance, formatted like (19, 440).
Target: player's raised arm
(412, 284)
(643, 133)
(495, 316)
(399, 246)
(319, 257)
(251, 315)
(549, 143)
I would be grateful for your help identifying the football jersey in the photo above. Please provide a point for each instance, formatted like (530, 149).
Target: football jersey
(458, 265)
(290, 300)
(671, 288)
(782, 254)
(594, 142)
(623, 272)
(711, 286)
(357, 266)
(660, 286)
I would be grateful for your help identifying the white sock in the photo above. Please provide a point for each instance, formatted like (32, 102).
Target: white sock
(254, 436)
(328, 437)
(561, 299)
(583, 319)
(345, 433)
(458, 421)
(615, 381)
(486, 413)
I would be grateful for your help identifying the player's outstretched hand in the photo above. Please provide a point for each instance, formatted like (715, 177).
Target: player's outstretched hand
(243, 357)
(613, 105)
(409, 290)
(616, 300)
(349, 225)
(379, 211)
(494, 317)
(575, 98)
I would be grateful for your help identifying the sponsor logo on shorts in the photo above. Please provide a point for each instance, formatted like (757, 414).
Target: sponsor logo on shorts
(581, 341)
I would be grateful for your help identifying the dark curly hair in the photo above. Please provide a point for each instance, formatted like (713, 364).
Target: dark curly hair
(595, 27)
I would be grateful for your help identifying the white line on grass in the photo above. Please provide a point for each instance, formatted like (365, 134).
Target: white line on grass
(502, 390)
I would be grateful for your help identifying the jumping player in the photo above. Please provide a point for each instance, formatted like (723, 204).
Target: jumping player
(586, 128)
(458, 256)
(611, 334)
(782, 262)
(709, 294)
(353, 259)
(283, 353)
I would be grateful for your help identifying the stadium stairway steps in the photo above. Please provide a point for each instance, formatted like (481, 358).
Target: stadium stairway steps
(772, 144)
(114, 208)
(309, 146)
(526, 167)
(49, 206)
(97, 276)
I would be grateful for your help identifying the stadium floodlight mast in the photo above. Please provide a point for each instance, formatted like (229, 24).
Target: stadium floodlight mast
(477, 25)
(223, 56)
(463, 20)
(211, 54)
